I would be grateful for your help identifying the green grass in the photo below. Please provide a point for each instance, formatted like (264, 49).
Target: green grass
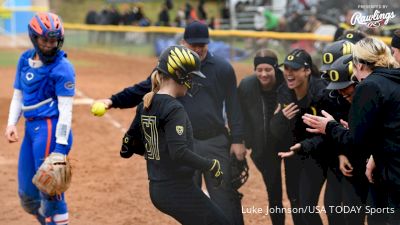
(143, 50)
(9, 58)
(114, 43)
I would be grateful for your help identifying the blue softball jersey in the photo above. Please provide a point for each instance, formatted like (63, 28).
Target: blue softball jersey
(44, 84)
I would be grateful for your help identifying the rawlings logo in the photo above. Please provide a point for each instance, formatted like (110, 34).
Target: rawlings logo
(372, 21)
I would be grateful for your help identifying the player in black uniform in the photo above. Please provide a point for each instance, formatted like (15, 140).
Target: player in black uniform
(210, 99)
(346, 182)
(162, 131)
(300, 93)
(373, 119)
(257, 95)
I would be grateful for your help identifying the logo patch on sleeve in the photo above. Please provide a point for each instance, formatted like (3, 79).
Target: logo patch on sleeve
(179, 130)
(69, 85)
(29, 76)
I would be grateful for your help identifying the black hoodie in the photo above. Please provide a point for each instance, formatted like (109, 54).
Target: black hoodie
(374, 122)
(258, 107)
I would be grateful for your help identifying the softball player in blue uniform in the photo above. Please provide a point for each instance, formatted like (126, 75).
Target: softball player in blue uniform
(43, 92)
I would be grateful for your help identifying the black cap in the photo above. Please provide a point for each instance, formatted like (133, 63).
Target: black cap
(340, 73)
(297, 59)
(352, 35)
(333, 51)
(196, 33)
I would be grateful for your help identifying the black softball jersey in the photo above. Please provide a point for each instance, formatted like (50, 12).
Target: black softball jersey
(168, 138)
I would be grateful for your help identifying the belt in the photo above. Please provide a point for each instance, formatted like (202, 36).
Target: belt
(37, 105)
(39, 118)
(207, 134)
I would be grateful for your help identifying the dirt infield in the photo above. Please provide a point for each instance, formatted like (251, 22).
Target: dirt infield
(106, 189)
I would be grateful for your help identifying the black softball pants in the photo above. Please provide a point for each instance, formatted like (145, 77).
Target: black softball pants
(224, 196)
(345, 191)
(384, 195)
(269, 165)
(312, 178)
(186, 203)
(293, 168)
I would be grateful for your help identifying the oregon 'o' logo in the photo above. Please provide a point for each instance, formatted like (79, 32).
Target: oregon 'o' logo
(327, 58)
(290, 57)
(349, 36)
(334, 75)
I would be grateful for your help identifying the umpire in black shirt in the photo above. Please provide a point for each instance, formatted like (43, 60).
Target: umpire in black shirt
(205, 108)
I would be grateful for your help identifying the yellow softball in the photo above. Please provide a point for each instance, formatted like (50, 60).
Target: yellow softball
(98, 109)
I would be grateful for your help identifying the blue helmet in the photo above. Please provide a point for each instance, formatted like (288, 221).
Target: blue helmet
(46, 25)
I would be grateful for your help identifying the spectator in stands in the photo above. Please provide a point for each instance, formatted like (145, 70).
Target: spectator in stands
(345, 25)
(272, 20)
(132, 16)
(295, 22)
(91, 17)
(190, 13)
(201, 11)
(225, 13)
(180, 20)
(169, 4)
(214, 23)
(259, 19)
(312, 24)
(114, 15)
(144, 22)
(104, 18)
(163, 16)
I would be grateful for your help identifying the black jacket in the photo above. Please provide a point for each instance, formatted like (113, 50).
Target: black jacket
(339, 108)
(294, 131)
(206, 105)
(258, 108)
(374, 122)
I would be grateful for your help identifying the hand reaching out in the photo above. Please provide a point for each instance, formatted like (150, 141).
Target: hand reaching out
(295, 148)
(317, 123)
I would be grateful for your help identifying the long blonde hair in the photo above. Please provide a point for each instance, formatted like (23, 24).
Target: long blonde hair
(155, 87)
(374, 53)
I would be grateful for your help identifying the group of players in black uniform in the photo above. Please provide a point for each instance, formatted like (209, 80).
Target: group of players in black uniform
(340, 123)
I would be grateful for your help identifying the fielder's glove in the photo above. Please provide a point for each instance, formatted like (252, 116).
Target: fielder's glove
(54, 175)
(216, 172)
(131, 146)
(239, 172)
